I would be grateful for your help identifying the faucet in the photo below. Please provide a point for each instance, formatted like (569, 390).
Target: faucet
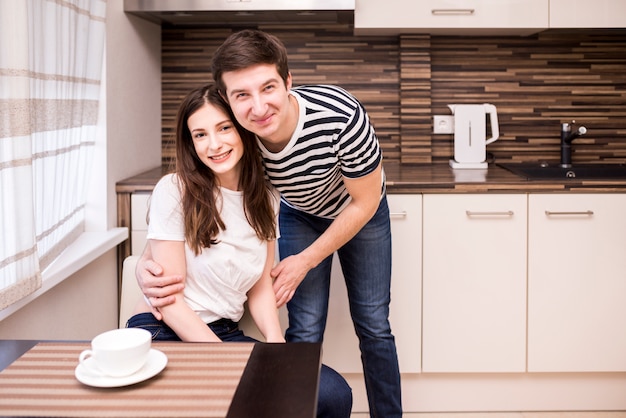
(567, 136)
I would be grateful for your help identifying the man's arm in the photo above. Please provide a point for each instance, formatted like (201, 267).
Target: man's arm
(365, 195)
(179, 316)
(159, 289)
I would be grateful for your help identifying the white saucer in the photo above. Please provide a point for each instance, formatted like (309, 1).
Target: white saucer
(156, 362)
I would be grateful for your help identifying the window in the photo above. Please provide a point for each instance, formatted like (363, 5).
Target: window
(51, 57)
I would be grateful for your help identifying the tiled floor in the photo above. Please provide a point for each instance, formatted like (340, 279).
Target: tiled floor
(617, 414)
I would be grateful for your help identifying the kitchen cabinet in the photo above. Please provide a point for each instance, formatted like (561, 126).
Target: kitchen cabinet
(474, 283)
(341, 347)
(577, 283)
(139, 221)
(450, 16)
(587, 14)
(563, 331)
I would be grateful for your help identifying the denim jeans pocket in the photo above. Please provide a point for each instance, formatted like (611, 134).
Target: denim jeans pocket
(160, 330)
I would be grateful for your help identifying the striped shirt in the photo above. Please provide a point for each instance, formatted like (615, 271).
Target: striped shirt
(333, 138)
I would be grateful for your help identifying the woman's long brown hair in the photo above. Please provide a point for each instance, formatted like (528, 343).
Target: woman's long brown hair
(200, 186)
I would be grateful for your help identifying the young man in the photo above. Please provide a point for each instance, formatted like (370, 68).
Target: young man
(320, 151)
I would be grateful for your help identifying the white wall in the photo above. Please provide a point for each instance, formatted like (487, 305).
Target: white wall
(77, 309)
(85, 304)
(133, 97)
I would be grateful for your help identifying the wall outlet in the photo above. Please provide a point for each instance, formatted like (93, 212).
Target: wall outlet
(443, 124)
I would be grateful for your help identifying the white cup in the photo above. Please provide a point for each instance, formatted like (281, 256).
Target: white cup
(117, 353)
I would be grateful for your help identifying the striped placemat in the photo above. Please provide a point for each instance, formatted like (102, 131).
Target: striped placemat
(200, 379)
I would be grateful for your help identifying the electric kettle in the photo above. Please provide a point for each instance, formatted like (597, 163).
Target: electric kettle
(470, 134)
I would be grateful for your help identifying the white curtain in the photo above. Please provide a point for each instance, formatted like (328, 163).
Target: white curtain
(51, 54)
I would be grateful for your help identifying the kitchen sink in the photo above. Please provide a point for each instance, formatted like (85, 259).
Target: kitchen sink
(553, 171)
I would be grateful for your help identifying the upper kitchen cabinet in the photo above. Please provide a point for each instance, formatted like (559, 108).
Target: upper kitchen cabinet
(451, 17)
(587, 14)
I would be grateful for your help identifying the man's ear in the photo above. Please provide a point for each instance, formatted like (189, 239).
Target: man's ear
(288, 82)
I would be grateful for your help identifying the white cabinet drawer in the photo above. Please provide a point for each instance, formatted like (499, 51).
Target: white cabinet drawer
(587, 14)
(450, 14)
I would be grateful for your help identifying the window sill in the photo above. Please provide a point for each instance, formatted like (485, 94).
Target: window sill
(87, 248)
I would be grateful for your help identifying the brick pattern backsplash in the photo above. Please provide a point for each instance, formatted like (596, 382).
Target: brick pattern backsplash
(415, 99)
(536, 82)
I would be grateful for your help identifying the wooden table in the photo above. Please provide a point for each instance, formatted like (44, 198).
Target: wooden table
(232, 380)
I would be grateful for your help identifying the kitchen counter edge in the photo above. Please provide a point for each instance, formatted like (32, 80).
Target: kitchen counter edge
(435, 178)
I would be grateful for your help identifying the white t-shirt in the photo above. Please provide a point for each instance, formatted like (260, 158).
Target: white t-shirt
(219, 278)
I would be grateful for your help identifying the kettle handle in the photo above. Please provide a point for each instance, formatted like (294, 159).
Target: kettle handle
(493, 118)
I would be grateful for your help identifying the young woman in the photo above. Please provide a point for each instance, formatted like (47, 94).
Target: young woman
(214, 222)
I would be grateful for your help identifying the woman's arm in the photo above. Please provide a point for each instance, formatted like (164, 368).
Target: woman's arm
(159, 289)
(262, 302)
(178, 315)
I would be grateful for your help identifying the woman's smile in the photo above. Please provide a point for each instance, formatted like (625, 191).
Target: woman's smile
(221, 156)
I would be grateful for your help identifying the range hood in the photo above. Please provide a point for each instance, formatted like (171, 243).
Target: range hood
(242, 12)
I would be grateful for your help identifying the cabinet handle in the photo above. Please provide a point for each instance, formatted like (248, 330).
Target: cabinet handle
(447, 12)
(504, 213)
(586, 212)
(398, 214)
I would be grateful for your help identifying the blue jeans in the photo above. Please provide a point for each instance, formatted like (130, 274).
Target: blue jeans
(366, 265)
(335, 395)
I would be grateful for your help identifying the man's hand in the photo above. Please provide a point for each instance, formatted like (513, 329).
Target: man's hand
(287, 275)
(158, 289)
(365, 193)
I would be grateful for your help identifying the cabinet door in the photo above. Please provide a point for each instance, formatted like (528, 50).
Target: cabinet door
(587, 14)
(577, 283)
(474, 283)
(433, 14)
(341, 346)
(139, 225)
